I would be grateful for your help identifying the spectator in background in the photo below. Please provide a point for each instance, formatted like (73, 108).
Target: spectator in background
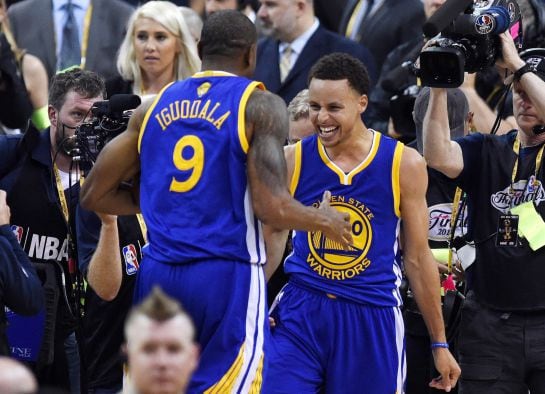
(392, 100)
(89, 39)
(193, 21)
(42, 186)
(440, 196)
(109, 256)
(300, 125)
(16, 378)
(247, 7)
(330, 13)
(20, 288)
(158, 49)
(382, 25)
(32, 71)
(160, 346)
(295, 42)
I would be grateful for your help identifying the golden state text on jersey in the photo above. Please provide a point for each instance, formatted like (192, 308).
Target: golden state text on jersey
(369, 270)
(194, 192)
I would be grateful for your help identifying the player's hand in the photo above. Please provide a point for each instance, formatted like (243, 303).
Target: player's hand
(338, 228)
(447, 367)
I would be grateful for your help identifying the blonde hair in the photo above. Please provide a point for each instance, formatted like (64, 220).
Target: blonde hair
(187, 62)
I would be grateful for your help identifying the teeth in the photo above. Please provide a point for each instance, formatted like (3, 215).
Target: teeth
(327, 129)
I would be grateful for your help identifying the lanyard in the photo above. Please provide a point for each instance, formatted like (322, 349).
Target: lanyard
(143, 227)
(539, 157)
(60, 192)
(85, 38)
(453, 217)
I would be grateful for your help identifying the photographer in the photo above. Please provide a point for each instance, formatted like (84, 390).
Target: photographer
(42, 188)
(501, 343)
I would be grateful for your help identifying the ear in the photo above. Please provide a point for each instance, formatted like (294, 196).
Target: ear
(362, 103)
(52, 114)
(250, 59)
(199, 49)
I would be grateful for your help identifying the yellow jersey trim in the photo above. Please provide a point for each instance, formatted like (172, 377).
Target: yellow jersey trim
(346, 179)
(227, 382)
(395, 177)
(296, 167)
(212, 73)
(243, 139)
(148, 114)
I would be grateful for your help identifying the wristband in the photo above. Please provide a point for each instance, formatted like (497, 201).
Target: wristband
(521, 71)
(435, 345)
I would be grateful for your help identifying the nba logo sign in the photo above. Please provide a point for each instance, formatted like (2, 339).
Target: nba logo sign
(131, 262)
(18, 231)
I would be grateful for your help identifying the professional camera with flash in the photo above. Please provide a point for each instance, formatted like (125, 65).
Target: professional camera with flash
(468, 43)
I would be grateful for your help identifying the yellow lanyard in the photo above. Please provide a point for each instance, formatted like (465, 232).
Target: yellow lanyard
(85, 38)
(352, 19)
(143, 227)
(60, 192)
(454, 214)
(539, 157)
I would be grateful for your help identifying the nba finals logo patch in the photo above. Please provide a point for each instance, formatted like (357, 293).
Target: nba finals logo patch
(328, 258)
(131, 262)
(205, 87)
(18, 232)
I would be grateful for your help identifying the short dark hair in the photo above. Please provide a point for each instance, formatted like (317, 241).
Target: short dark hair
(227, 33)
(86, 83)
(338, 66)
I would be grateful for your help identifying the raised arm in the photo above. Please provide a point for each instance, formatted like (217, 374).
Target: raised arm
(419, 263)
(267, 127)
(98, 252)
(440, 152)
(104, 189)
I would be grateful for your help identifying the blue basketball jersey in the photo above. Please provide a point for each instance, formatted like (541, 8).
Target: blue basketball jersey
(194, 193)
(369, 271)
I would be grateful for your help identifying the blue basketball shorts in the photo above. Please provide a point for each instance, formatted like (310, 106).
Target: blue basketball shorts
(228, 305)
(326, 344)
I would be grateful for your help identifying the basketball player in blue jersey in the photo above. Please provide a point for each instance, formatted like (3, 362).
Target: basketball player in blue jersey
(338, 324)
(208, 153)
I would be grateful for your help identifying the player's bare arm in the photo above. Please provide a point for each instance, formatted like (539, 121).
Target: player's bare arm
(267, 123)
(419, 263)
(103, 190)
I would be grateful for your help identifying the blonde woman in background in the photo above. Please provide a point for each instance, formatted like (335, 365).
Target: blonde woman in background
(32, 71)
(158, 49)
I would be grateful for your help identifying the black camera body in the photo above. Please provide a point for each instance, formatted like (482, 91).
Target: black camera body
(110, 118)
(468, 43)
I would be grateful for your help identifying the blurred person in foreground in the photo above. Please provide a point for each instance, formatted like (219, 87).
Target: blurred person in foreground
(160, 346)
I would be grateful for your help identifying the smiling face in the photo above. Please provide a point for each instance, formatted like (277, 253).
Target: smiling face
(155, 47)
(335, 110)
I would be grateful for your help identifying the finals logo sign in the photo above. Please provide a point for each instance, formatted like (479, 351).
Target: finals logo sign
(328, 258)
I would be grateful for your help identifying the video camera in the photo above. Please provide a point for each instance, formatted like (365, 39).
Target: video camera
(110, 118)
(469, 42)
